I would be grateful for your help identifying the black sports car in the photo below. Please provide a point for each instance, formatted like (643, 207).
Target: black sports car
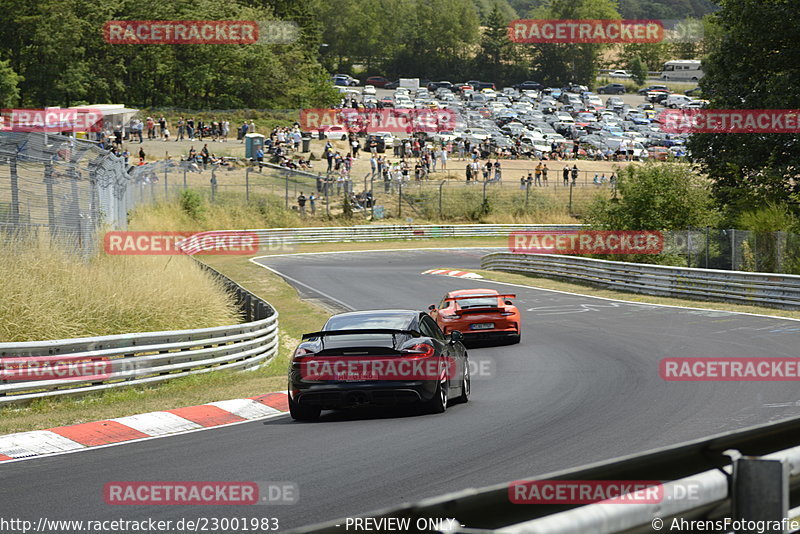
(378, 358)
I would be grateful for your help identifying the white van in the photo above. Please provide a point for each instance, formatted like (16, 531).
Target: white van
(687, 70)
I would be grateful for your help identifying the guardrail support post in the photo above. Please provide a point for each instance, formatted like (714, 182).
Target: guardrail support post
(760, 492)
(440, 197)
(247, 184)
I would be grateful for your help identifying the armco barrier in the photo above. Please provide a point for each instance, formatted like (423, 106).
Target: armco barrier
(749, 474)
(763, 289)
(131, 359)
(386, 232)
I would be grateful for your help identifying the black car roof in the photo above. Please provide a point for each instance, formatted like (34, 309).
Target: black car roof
(409, 315)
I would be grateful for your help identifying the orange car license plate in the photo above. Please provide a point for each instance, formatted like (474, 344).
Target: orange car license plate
(482, 326)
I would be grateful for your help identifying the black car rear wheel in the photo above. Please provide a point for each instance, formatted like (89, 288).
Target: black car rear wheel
(303, 413)
(465, 385)
(438, 403)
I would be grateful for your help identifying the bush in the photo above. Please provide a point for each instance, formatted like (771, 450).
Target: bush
(192, 204)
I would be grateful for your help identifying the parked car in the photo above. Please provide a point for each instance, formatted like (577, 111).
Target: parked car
(611, 89)
(653, 88)
(696, 91)
(346, 80)
(369, 90)
(478, 85)
(433, 86)
(377, 81)
(677, 100)
(392, 85)
(619, 74)
(529, 84)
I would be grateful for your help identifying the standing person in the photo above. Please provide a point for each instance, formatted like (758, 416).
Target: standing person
(151, 128)
(497, 174)
(141, 155)
(252, 128)
(443, 155)
(162, 125)
(260, 157)
(538, 172)
(301, 203)
(544, 174)
(200, 127)
(469, 172)
(574, 174)
(565, 174)
(373, 164)
(190, 128)
(522, 182)
(312, 200)
(181, 130)
(204, 155)
(245, 126)
(355, 146)
(487, 169)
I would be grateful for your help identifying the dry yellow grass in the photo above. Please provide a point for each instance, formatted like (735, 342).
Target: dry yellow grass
(48, 293)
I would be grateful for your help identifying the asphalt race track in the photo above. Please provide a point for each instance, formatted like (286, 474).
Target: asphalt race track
(581, 387)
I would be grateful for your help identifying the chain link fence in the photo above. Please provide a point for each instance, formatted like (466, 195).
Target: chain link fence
(65, 186)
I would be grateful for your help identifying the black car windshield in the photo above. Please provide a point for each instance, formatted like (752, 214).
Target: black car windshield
(397, 321)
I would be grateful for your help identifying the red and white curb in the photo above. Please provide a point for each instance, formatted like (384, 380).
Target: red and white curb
(453, 273)
(142, 426)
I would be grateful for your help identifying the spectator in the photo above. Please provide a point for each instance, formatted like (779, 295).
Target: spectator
(190, 129)
(312, 200)
(301, 203)
(245, 126)
(574, 174)
(538, 171)
(260, 157)
(181, 130)
(141, 156)
(544, 174)
(565, 173)
(204, 154)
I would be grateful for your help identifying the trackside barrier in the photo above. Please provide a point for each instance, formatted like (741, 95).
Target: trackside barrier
(145, 358)
(765, 289)
(726, 474)
(387, 232)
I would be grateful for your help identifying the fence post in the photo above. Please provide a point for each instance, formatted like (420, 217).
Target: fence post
(707, 231)
(287, 189)
(166, 186)
(440, 197)
(571, 185)
(247, 184)
(527, 193)
(48, 183)
(372, 195)
(14, 191)
(400, 199)
(184, 178)
(733, 249)
(760, 493)
(688, 248)
(213, 183)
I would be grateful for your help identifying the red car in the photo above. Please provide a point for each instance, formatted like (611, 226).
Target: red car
(377, 81)
(479, 314)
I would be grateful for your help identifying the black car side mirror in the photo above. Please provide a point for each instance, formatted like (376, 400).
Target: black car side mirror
(432, 307)
(456, 336)
(509, 303)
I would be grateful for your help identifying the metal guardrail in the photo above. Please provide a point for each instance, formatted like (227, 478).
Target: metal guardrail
(385, 232)
(765, 289)
(751, 474)
(143, 358)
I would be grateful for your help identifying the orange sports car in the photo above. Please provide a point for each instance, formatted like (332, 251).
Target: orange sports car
(479, 314)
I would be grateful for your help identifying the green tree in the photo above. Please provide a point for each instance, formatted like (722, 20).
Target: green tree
(575, 62)
(9, 85)
(655, 196)
(638, 70)
(750, 67)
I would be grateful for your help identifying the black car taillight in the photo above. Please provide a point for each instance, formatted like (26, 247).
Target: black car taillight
(424, 350)
(300, 352)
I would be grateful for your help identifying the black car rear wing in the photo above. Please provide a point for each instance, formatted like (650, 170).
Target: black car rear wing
(391, 331)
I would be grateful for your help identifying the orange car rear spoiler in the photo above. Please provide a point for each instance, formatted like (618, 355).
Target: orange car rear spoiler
(465, 297)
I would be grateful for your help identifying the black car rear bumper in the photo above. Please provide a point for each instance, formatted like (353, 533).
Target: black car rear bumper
(340, 395)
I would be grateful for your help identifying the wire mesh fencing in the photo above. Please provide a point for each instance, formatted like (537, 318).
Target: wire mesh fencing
(65, 186)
